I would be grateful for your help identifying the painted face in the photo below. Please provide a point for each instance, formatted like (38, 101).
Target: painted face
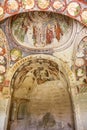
(15, 54)
(58, 4)
(12, 5)
(2, 60)
(28, 4)
(2, 69)
(43, 74)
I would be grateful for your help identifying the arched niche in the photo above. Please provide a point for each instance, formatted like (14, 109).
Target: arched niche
(40, 91)
(40, 31)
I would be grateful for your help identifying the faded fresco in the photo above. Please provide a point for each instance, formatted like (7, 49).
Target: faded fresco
(73, 8)
(40, 99)
(41, 30)
(36, 31)
(43, 67)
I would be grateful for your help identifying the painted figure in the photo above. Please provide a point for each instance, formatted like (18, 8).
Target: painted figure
(49, 35)
(58, 31)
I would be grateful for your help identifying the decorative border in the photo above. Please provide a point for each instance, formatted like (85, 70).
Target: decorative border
(74, 8)
(57, 10)
(26, 10)
(50, 8)
(46, 8)
(85, 18)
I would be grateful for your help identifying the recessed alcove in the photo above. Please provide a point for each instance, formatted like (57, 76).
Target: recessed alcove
(41, 97)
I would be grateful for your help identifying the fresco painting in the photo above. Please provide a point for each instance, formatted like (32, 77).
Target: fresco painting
(43, 65)
(81, 63)
(41, 30)
(59, 5)
(43, 4)
(71, 8)
(28, 4)
(4, 57)
(35, 105)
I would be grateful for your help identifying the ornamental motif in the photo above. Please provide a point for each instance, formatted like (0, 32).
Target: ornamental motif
(28, 4)
(81, 59)
(59, 5)
(84, 16)
(15, 54)
(12, 6)
(43, 4)
(70, 8)
(73, 9)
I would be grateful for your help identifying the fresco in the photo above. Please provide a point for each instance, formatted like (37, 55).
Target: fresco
(80, 64)
(59, 5)
(37, 85)
(41, 30)
(83, 1)
(42, 88)
(12, 6)
(4, 58)
(80, 61)
(28, 4)
(15, 54)
(43, 4)
(71, 8)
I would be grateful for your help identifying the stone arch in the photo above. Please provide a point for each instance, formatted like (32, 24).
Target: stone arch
(44, 77)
